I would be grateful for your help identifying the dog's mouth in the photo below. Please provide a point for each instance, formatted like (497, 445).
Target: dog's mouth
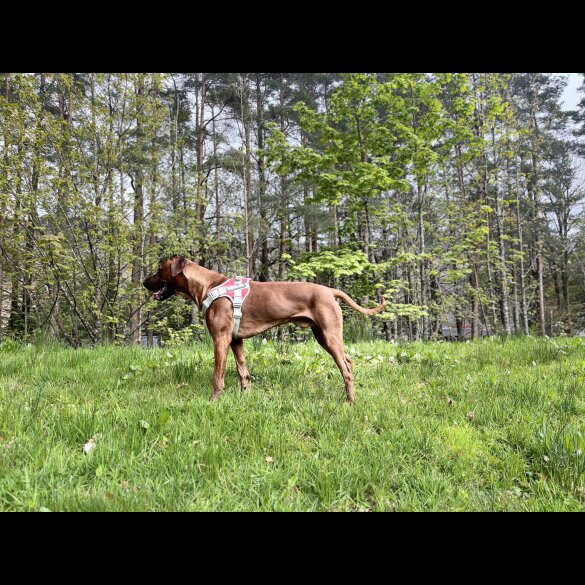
(159, 294)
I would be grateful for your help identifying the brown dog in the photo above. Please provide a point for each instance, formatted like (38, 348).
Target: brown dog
(268, 304)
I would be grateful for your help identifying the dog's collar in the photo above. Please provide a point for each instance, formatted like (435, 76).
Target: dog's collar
(236, 289)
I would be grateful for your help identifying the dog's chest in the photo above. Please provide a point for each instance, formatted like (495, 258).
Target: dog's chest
(236, 289)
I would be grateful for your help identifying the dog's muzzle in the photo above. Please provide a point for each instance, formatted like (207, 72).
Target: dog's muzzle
(159, 294)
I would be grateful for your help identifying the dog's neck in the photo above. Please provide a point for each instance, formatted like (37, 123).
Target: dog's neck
(199, 281)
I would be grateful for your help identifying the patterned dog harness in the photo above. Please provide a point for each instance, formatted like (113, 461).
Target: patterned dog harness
(236, 289)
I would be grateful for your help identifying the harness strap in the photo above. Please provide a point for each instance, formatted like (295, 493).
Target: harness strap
(237, 300)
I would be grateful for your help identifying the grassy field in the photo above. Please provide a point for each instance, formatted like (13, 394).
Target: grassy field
(491, 425)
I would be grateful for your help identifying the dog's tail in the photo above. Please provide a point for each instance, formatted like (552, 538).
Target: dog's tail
(339, 294)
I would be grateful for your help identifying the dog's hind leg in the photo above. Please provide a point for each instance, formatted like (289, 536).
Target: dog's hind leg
(331, 339)
(238, 349)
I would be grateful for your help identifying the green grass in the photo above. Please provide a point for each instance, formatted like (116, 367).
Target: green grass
(492, 425)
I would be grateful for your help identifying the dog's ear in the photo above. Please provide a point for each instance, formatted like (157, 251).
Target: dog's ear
(178, 265)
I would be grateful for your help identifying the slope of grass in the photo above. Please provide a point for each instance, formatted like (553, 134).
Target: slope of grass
(490, 425)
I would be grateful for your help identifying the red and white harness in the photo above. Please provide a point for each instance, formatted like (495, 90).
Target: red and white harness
(236, 289)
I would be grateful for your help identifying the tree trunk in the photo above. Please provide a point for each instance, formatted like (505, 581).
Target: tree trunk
(282, 248)
(534, 188)
(422, 262)
(502, 271)
(540, 280)
(218, 235)
(310, 235)
(565, 289)
(174, 141)
(200, 192)
(283, 226)
(335, 232)
(16, 312)
(4, 312)
(516, 306)
(523, 303)
(262, 181)
(138, 185)
(490, 289)
(474, 280)
(248, 193)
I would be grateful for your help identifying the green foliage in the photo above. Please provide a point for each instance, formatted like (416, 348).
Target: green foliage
(178, 337)
(10, 345)
(333, 263)
(447, 183)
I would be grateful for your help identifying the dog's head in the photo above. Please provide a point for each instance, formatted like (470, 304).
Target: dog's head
(169, 279)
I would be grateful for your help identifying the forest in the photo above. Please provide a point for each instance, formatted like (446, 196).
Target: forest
(456, 196)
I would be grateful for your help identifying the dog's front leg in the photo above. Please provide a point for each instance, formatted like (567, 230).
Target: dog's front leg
(220, 346)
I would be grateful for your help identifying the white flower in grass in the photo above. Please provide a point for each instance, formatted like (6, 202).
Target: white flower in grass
(91, 443)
